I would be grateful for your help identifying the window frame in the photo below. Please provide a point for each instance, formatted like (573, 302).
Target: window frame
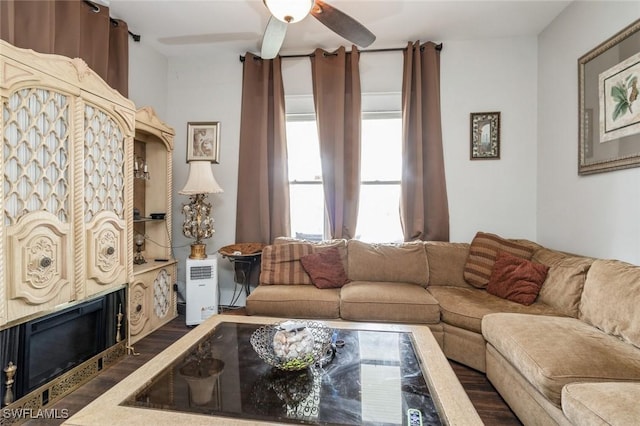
(366, 115)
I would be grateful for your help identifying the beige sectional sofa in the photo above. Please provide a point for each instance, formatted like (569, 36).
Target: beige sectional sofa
(571, 357)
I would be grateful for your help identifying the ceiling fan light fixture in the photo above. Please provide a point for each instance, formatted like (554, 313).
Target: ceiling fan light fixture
(289, 11)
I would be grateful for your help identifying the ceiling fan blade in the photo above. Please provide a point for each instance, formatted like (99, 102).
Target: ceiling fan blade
(342, 24)
(273, 38)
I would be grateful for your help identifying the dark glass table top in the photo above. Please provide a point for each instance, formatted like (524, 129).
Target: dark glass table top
(374, 379)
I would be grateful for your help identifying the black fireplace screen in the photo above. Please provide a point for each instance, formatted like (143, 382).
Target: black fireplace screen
(46, 347)
(59, 342)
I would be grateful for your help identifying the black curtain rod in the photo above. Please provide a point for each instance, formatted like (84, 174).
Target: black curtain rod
(96, 8)
(310, 55)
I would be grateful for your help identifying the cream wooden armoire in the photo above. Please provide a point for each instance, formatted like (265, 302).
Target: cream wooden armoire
(68, 283)
(66, 198)
(66, 233)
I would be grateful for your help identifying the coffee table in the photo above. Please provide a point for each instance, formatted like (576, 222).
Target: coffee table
(213, 376)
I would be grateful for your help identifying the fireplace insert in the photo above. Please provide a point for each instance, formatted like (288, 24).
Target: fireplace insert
(61, 341)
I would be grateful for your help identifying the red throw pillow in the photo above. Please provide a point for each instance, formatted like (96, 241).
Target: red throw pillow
(516, 279)
(325, 268)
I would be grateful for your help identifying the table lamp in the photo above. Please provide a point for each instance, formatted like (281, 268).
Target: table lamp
(197, 222)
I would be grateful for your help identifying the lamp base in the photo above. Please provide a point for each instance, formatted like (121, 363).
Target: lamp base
(198, 251)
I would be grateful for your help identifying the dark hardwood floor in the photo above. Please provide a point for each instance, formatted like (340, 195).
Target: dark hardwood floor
(490, 406)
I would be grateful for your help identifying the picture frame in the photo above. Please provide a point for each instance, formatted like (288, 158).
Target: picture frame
(203, 141)
(609, 104)
(485, 136)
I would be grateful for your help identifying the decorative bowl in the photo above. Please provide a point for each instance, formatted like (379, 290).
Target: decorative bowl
(318, 334)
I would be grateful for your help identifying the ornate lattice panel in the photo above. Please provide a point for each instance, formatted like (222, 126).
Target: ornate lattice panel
(162, 294)
(36, 154)
(103, 164)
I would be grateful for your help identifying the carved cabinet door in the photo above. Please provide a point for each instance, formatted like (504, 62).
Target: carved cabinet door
(104, 199)
(37, 199)
(138, 309)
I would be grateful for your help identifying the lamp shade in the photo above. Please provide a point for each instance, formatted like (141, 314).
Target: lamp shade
(289, 10)
(200, 180)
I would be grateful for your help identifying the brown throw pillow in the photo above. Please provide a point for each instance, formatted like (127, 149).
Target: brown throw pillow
(325, 268)
(482, 255)
(516, 279)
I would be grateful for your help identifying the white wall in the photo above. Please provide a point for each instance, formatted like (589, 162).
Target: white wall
(596, 215)
(207, 89)
(148, 77)
(490, 195)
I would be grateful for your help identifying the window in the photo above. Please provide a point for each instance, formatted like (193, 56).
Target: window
(305, 178)
(381, 166)
(380, 173)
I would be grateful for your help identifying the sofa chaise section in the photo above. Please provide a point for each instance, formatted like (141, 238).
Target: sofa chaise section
(532, 359)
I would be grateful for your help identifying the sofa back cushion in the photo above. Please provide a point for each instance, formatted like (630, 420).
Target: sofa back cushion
(280, 262)
(483, 252)
(563, 287)
(446, 263)
(388, 262)
(610, 299)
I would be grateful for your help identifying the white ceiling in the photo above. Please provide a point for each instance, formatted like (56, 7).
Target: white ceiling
(197, 27)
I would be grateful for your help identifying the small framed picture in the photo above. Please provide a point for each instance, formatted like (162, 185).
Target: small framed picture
(203, 141)
(485, 135)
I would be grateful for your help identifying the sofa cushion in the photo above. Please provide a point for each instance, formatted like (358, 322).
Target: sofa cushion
(551, 352)
(388, 262)
(465, 307)
(388, 302)
(482, 255)
(609, 403)
(446, 263)
(516, 279)
(611, 298)
(280, 262)
(325, 268)
(563, 287)
(294, 301)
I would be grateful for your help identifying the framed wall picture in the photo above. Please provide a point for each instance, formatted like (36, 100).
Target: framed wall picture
(485, 135)
(609, 104)
(203, 141)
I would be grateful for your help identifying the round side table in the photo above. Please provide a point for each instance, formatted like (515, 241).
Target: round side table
(244, 257)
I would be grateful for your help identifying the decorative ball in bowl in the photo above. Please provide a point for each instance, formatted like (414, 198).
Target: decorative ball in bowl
(292, 345)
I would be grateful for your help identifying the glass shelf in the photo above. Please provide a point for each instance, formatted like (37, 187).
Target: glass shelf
(147, 219)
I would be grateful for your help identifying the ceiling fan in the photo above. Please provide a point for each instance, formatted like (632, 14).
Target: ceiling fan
(285, 12)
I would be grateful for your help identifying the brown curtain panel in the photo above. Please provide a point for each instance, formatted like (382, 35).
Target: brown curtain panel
(424, 208)
(336, 93)
(72, 28)
(263, 178)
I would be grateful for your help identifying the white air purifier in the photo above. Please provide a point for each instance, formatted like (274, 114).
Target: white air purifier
(201, 289)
